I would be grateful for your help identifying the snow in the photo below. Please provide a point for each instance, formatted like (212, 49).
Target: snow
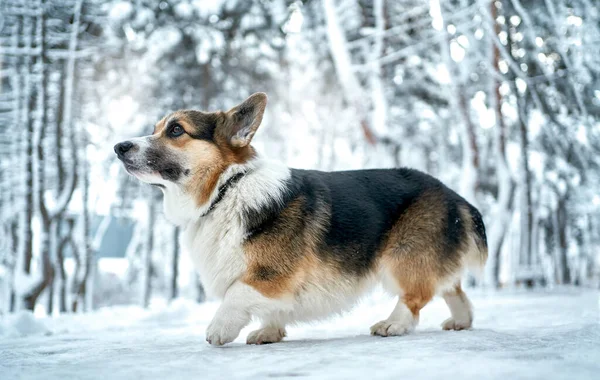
(25, 282)
(548, 334)
(22, 323)
(120, 11)
(184, 10)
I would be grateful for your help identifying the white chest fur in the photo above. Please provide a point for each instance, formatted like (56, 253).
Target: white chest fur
(214, 244)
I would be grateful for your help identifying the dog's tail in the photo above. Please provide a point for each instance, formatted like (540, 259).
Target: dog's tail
(478, 250)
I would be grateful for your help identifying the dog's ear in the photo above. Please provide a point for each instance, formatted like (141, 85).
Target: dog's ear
(244, 119)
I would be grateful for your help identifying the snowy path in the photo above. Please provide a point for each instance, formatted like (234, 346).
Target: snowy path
(545, 335)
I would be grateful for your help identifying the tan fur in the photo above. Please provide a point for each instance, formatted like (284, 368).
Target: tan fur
(280, 260)
(210, 160)
(413, 255)
(413, 250)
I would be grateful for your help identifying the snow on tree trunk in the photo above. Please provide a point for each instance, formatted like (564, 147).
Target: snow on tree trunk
(380, 107)
(60, 263)
(47, 269)
(82, 288)
(53, 248)
(51, 215)
(38, 102)
(353, 91)
(526, 210)
(86, 292)
(10, 186)
(587, 265)
(502, 210)
(458, 102)
(25, 244)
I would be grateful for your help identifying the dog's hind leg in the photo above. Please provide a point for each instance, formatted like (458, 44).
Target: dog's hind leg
(460, 309)
(405, 317)
(269, 332)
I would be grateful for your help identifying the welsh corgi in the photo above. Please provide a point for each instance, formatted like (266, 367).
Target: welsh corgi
(287, 245)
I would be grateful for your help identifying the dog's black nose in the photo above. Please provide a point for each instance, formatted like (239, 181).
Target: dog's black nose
(123, 147)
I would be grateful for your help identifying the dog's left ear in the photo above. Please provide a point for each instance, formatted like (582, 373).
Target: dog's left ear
(244, 119)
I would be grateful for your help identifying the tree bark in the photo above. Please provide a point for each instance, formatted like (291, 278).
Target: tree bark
(47, 270)
(458, 102)
(67, 240)
(26, 238)
(380, 107)
(563, 269)
(502, 213)
(146, 282)
(83, 289)
(175, 264)
(353, 91)
(38, 101)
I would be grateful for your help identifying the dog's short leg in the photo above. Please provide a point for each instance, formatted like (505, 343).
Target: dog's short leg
(460, 309)
(240, 302)
(400, 322)
(271, 332)
(404, 318)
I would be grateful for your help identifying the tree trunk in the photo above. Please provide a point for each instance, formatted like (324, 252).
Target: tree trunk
(470, 170)
(26, 235)
(53, 248)
(38, 101)
(343, 66)
(458, 102)
(502, 212)
(378, 98)
(62, 290)
(13, 294)
(589, 248)
(146, 282)
(526, 214)
(13, 187)
(562, 265)
(83, 290)
(60, 263)
(47, 269)
(175, 263)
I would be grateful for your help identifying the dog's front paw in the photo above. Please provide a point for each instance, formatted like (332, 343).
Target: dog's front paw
(452, 324)
(220, 332)
(392, 328)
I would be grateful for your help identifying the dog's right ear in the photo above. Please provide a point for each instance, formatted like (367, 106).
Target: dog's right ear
(243, 120)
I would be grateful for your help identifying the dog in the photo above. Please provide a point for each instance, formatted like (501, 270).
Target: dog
(287, 245)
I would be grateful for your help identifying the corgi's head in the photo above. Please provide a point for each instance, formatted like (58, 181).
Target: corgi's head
(189, 150)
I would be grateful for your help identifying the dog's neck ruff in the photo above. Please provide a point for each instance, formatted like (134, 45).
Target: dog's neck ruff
(222, 190)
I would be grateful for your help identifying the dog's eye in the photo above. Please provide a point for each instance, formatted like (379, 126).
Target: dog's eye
(176, 130)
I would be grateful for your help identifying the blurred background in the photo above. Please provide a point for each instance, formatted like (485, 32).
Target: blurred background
(498, 99)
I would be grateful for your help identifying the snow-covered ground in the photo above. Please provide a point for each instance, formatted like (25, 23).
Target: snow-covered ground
(517, 335)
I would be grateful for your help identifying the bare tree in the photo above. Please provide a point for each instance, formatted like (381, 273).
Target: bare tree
(175, 264)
